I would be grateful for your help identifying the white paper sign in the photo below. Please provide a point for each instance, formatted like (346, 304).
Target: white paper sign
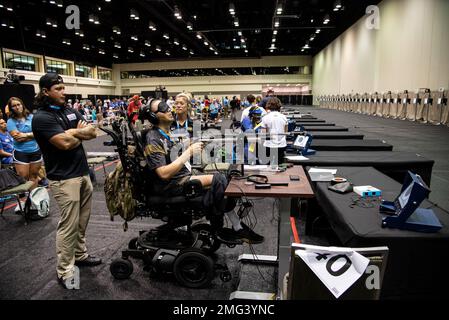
(337, 268)
(296, 158)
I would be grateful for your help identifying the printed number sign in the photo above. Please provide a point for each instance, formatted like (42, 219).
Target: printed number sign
(337, 268)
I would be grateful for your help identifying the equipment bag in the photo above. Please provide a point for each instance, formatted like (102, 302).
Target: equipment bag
(119, 197)
(40, 201)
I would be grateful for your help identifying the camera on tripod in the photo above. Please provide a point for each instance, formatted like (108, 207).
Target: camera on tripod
(13, 78)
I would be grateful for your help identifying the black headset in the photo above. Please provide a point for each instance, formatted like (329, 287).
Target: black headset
(146, 113)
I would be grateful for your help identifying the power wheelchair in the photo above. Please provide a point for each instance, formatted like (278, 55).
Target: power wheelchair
(183, 246)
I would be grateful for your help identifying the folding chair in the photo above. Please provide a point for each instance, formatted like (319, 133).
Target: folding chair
(92, 162)
(7, 194)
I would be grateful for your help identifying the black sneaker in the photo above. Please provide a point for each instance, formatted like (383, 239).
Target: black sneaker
(247, 235)
(90, 261)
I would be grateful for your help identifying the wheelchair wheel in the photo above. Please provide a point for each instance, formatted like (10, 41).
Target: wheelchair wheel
(193, 269)
(132, 245)
(206, 239)
(121, 269)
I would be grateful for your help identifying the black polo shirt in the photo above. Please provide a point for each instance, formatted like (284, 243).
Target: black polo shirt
(59, 164)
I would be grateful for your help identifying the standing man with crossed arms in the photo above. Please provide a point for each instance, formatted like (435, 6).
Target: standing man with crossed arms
(59, 132)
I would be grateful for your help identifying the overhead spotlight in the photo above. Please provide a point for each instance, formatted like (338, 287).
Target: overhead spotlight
(216, 53)
(276, 22)
(211, 49)
(176, 41)
(86, 47)
(152, 26)
(101, 39)
(134, 15)
(326, 19)
(135, 38)
(246, 51)
(198, 36)
(131, 50)
(66, 42)
(142, 54)
(167, 53)
(337, 5)
(318, 31)
(312, 37)
(273, 40)
(231, 8)
(158, 49)
(189, 26)
(236, 22)
(117, 45)
(279, 8)
(101, 51)
(184, 48)
(275, 32)
(177, 13)
(147, 43)
(206, 43)
(239, 33)
(115, 56)
(166, 36)
(116, 30)
(191, 52)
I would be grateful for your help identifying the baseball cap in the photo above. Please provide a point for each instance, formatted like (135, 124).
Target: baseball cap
(48, 80)
(136, 97)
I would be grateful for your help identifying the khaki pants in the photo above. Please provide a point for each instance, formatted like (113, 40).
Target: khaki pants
(74, 198)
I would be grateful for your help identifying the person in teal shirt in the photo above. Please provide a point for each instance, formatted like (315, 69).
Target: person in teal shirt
(27, 155)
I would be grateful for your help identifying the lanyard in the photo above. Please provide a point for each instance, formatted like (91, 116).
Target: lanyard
(185, 125)
(165, 135)
(55, 107)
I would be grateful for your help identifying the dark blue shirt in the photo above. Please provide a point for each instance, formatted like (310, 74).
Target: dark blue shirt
(6, 144)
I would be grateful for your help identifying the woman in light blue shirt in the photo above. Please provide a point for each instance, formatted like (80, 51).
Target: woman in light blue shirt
(27, 155)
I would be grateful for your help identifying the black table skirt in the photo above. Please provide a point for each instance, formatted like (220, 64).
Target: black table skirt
(309, 124)
(350, 145)
(393, 164)
(416, 262)
(328, 129)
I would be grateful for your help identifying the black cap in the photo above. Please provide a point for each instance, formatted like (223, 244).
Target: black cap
(48, 80)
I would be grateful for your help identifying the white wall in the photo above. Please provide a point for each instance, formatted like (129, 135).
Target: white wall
(409, 51)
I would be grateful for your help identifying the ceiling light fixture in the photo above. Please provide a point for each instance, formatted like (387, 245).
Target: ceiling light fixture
(231, 9)
(279, 8)
(177, 13)
(152, 26)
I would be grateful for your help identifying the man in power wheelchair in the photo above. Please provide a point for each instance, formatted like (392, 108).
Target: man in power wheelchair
(164, 188)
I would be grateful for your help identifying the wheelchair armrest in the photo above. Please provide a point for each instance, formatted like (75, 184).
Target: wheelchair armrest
(192, 189)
